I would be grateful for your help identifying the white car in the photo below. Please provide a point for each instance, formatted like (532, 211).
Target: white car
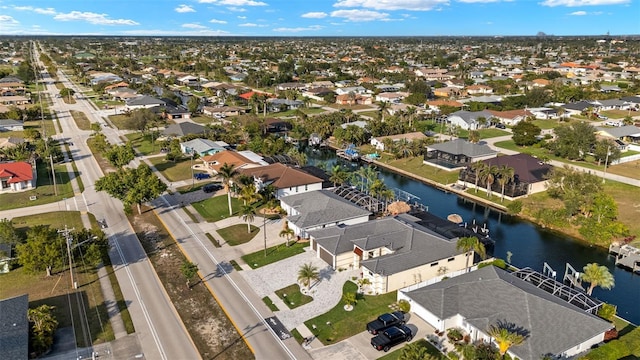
(613, 123)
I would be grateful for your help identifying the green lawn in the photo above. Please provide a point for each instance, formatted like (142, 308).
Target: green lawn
(630, 169)
(120, 122)
(81, 120)
(203, 120)
(431, 350)
(237, 234)
(546, 124)
(292, 296)
(372, 114)
(48, 129)
(270, 304)
(44, 191)
(274, 254)
(484, 133)
(415, 166)
(345, 324)
(217, 208)
(55, 219)
(173, 171)
(142, 143)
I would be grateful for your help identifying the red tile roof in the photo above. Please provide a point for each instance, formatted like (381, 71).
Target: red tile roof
(16, 171)
(282, 176)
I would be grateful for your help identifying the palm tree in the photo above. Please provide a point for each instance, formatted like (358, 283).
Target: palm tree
(505, 175)
(288, 233)
(597, 275)
(467, 244)
(478, 168)
(248, 194)
(474, 136)
(308, 273)
(505, 338)
(338, 175)
(489, 176)
(247, 213)
(227, 173)
(411, 113)
(376, 189)
(382, 108)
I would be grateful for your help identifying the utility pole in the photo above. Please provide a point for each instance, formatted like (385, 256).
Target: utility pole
(53, 175)
(68, 239)
(264, 231)
(606, 160)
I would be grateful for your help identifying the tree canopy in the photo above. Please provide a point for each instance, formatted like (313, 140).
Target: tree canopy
(132, 186)
(574, 141)
(525, 133)
(42, 251)
(120, 155)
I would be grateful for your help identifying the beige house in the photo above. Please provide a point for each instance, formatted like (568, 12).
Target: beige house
(392, 252)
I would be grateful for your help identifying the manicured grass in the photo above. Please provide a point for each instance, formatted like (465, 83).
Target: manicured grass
(371, 114)
(431, 350)
(173, 171)
(238, 234)
(44, 191)
(120, 121)
(292, 296)
(270, 304)
(618, 114)
(235, 265)
(415, 166)
(213, 240)
(345, 324)
(216, 208)
(81, 120)
(274, 254)
(547, 124)
(48, 129)
(142, 143)
(56, 220)
(296, 335)
(629, 169)
(482, 193)
(352, 107)
(203, 120)
(541, 153)
(190, 215)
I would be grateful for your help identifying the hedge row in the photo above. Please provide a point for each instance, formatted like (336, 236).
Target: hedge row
(626, 345)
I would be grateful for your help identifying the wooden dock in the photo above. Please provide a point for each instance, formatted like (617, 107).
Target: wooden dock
(627, 256)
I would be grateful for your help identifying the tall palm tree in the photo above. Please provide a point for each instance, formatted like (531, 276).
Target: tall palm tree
(383, 106)
(308, 273)
(467, 244)
(247, 213)
(505, 175)
(505, 338)
(411, 113)
(227, 173)
(376, 189)
(478, 168)
(338, 175)
(489, 177)
(286, 232)
(597, 275)
(248, 194)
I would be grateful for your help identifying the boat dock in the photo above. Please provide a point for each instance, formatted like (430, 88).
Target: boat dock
(350, 153)
(627, 256)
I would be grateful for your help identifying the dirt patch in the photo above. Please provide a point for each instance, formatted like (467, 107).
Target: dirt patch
(208, 326)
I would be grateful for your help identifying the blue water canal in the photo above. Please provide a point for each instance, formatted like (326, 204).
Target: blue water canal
(530, 245)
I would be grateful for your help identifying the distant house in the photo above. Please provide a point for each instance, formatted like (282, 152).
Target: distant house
(276, 105)
(9, 142)
(286, 180)
(317, 93)
(353, 89)
(320, 209)
(510, 117)
(291, 86)
(184, 128)
(578, 108)
(17, 176)
(626, 134)
(378, 142)
(144, 102)
(390, 97)
(355, 99)
(214, 162)
(470, 120)
(529, 175)
(223, 111)
(277, 126)
(479, 90)
(14, 332)
(456, 154)
(11, 125)
(392, 252)
(544, 113)
(14, 100)
(477, 300)
(202, 147)
(173, 112)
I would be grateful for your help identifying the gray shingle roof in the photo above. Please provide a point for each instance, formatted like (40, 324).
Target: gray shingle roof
(412, 244)
(463, 147)
(14, 328)
(472, 116)
(144, 101)
(490, 295)
(184, 128)
(622, 131)
(321, 207)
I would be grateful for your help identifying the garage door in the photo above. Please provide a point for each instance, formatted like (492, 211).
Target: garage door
(314, 245)
(325, 255)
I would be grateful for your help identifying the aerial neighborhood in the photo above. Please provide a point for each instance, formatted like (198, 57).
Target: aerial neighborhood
(316, 198)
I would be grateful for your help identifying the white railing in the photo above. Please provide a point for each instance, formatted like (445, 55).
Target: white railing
(626, 159)
(437, 279)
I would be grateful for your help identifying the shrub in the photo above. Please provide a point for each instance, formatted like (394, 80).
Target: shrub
(514, 207)
(607, 311)
(454, 335)
(404, 306)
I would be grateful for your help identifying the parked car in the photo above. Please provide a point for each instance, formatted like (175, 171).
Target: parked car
(385, 321)
(211, 188)
(613, 123)
(201, 176)
(500, 126)
(390, 337)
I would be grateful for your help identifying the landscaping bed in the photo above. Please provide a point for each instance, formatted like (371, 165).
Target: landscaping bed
(81, 120)
(292, 296)
(422, 343)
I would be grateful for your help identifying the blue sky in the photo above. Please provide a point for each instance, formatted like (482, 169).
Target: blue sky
(319, 17)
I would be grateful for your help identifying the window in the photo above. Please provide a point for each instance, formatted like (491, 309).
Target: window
(370, 254)
(434, 264)
(306, 187)
(451, 259)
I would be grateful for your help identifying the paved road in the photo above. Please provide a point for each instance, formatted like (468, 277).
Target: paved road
(158, 327)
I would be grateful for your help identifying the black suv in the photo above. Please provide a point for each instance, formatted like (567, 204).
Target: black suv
(390, 337)
(384, 321)
(211, 188)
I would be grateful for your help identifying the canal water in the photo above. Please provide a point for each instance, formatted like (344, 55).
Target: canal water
(530, 245)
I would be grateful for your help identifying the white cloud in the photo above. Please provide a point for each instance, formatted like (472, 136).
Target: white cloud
(579, 13)
(575, 3)
(93, 18)
(215, 21)
(315, 15)
(298, 29)
(478, 1)
(359, 15)
(252, 25)
(234, 2)
(184, 9)
(236, 9)
(193, 26)
(242, 17)
(7, 20)
(415, 5)
(42, 11)
(147, 32)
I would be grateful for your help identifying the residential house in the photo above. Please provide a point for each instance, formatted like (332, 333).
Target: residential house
(11, 125)
(578, 108)
(510, 117)
(433, 74)
(479, 90)
(223, 111)
(286, 180)
(183, 128)
(14, 100)
(202, 147)
(320, 209)
(9, 142)
(14, 332)
(353, 89)
(612, 104)
(378, 142)
(317, 93)
(456, 154)
(17, 176)
(538, 83)
(626, 134)
(100, 77)
(277, 126)
(172, 112)
(448, 91)
(391, 97)
(355, 99)
(291, 86)
(434, 105)
(490, 296)
(530, 175)
(392, 252)
(276, 105)
(188, 80)
(214, 162)
(470, 120)
(144, 102)
(544, 113)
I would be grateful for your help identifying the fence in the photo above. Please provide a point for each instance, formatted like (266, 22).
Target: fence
(437, 279)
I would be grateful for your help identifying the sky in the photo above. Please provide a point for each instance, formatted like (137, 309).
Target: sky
(319, 17)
